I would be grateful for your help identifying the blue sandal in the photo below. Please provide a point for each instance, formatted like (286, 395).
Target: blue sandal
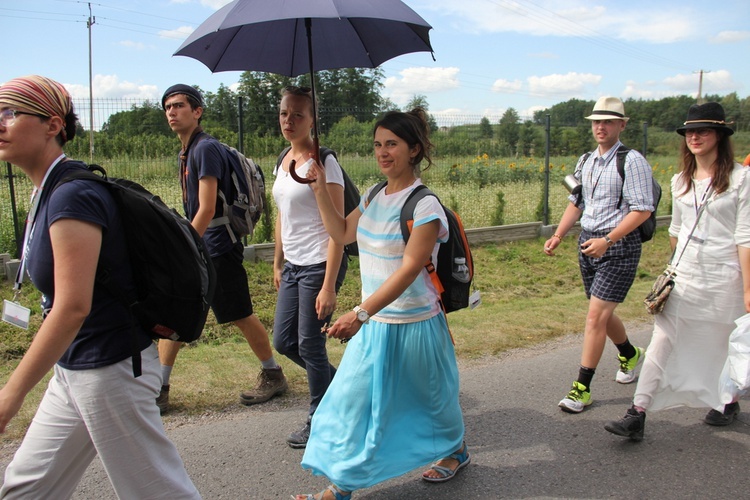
(337, 494)
(447, 474)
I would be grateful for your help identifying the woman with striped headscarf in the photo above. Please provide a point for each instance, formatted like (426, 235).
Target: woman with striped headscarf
(93, 404)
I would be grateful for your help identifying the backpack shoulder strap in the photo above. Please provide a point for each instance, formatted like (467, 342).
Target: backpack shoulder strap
(407, 211)
(622, 152)
(282, 155)
(585, 157)
(325, 153)
(375, 190)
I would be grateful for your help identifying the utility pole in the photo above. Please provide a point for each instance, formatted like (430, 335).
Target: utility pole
(700, 84)
(89, 24)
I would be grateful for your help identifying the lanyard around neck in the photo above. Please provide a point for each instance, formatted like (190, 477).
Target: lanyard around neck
(36, 196)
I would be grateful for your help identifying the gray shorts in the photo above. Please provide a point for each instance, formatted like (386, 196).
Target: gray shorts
(610, 276)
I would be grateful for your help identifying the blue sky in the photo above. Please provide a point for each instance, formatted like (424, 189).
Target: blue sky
(490, 55)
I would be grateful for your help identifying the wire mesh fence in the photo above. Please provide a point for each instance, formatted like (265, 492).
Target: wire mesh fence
(486, 189)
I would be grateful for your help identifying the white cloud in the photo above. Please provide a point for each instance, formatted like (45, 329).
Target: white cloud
(179, 34)
(713, 82)
(576, 18)
(507, 86)
(563, 86)
(419, 81)
(649, 91)
(529, 112)
(730, 37)
(110, 86)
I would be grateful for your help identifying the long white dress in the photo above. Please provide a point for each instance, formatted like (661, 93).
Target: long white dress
(689, 344)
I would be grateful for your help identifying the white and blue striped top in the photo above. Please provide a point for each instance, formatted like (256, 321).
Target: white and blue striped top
(381, 253)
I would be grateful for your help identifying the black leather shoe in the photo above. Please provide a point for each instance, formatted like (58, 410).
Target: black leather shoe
(717, 418)
(631, 425)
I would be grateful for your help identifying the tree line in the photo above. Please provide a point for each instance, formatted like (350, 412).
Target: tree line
(349, 101)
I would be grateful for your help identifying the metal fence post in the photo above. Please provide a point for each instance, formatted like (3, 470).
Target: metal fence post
(240, 126)
(14, 210)
(546, 170)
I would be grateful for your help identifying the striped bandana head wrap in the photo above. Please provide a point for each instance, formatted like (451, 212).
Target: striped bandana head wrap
(38, 95)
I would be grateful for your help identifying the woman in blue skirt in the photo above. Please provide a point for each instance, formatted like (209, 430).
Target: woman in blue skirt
(393, 405)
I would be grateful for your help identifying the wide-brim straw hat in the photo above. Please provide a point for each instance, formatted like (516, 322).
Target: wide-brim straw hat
(708, 115)
(608, 108)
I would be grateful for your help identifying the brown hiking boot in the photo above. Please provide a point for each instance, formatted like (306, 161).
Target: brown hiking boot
(271, 382)
(163, 400)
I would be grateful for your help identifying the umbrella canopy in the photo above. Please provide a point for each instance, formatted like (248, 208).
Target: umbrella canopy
(292, 37)
(271, 35)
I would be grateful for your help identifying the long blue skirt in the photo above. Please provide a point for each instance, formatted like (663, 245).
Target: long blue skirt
(391, 407)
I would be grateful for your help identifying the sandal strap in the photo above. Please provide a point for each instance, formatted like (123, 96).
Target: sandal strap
(338, 494)
(443, 471)
(460, 457)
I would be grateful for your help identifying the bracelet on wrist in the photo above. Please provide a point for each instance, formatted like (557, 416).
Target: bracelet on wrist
(557, 236)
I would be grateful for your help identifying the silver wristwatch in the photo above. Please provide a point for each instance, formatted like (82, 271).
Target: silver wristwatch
(362, 315)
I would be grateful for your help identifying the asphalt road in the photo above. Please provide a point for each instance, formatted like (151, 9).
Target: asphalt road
(522, 445)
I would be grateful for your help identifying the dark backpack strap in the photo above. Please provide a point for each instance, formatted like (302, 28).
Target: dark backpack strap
(375, 190)
(281, 157)
(325, 153)
(622, 153)
(407, 211)
(584, 159)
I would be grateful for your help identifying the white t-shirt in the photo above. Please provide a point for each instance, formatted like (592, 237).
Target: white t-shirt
(303, 235)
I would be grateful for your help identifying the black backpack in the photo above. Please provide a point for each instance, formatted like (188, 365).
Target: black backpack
(648, 227)
(351, 192)
(454, 273)
(243, 206)
(173, 273)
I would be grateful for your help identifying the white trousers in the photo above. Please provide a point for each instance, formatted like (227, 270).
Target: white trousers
(103, 411)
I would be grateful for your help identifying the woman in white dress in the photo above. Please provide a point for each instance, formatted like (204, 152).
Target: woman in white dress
(712, 288)
(393, 404)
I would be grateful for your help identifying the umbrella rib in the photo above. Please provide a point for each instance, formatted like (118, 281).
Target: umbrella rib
(359, 35)
(294, 44)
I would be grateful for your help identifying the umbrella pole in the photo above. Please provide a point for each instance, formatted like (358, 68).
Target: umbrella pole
(316, 140)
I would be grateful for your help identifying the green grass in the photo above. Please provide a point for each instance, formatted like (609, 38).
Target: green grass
(527, 298)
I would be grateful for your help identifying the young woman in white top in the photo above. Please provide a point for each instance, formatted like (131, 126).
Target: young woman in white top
(712, 289)
(308, 267)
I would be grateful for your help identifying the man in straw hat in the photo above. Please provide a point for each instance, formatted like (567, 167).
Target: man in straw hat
(610, 245)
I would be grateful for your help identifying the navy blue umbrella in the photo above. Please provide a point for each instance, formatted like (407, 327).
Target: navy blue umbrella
(293, 37)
